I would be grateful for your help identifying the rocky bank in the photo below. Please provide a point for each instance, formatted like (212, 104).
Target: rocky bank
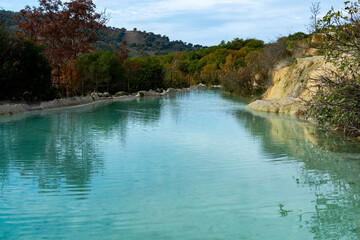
(13, 108)
(292, 85)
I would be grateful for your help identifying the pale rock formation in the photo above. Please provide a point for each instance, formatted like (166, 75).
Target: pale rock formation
(292, 85)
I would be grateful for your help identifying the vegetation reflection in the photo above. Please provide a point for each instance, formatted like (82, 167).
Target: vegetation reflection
(330, 169)
(64, 153)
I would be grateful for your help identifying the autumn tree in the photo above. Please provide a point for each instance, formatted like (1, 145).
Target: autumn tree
(66, 29)
(123, 52)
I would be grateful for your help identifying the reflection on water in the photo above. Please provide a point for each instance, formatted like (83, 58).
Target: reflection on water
(195, 165)
(60, 148)
(330, 168)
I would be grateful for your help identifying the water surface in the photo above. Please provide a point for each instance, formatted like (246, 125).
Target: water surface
(195, 165)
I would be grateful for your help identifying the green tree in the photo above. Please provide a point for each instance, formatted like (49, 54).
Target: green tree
(110, 71)
(24, 71)
(150, 73)
(101, 71)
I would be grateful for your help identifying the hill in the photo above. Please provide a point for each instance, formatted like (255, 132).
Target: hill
(8, 17)
(140, 43)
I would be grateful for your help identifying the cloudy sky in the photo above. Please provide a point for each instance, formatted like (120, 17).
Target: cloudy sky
(206, 22)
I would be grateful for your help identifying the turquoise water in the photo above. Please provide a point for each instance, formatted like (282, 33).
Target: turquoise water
(195, 165)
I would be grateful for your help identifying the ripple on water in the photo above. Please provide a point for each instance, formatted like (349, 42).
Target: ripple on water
(194, 165)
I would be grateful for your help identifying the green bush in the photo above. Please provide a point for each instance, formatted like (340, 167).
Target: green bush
(337, 103)
(297, 36)
(25, 73)
(293, 39)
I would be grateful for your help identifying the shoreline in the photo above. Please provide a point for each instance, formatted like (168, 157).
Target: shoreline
(9, 108)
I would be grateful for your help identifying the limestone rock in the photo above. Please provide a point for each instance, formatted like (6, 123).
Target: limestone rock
(171, 90)
(95, 96)
(292, 84)
(159, 90)
(295, 80)
(288, 105)
(149, 93)
(201, 86)
(119, 94)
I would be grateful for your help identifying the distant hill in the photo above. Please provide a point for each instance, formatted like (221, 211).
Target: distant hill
(140, 43)
(8, 17)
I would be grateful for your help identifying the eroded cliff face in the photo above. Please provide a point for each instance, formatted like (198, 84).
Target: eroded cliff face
(292, 85)
(295, 80)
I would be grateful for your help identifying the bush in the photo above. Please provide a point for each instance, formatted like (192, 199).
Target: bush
(294, 40)
(297, 36)
(337, 101)
(25, 73)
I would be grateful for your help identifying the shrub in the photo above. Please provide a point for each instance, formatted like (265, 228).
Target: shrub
(297, 36)
(337, 101)
(25, 73)
(296, 40)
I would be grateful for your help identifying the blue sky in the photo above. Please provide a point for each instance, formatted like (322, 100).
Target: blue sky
(206, 22)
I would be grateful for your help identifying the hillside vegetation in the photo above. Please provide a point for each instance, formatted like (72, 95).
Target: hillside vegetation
(140, 43)
(241, 66)
(9, 18)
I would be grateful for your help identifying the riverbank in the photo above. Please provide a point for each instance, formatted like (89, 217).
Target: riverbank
(293, 84)
(9, 108)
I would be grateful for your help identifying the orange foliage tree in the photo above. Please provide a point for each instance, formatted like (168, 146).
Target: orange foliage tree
(66, 29)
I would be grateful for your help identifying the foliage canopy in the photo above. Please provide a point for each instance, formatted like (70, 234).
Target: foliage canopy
(66, 29)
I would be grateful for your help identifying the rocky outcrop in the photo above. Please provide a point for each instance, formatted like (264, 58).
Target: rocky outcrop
(288, 105)
(296, 80)
(162, 92)
(293, 84)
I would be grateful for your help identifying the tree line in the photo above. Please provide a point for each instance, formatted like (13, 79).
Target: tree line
(241, 66)
(64, 34)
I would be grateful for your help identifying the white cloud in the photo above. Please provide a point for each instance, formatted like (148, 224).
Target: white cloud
(161, 9)
(207, 21)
